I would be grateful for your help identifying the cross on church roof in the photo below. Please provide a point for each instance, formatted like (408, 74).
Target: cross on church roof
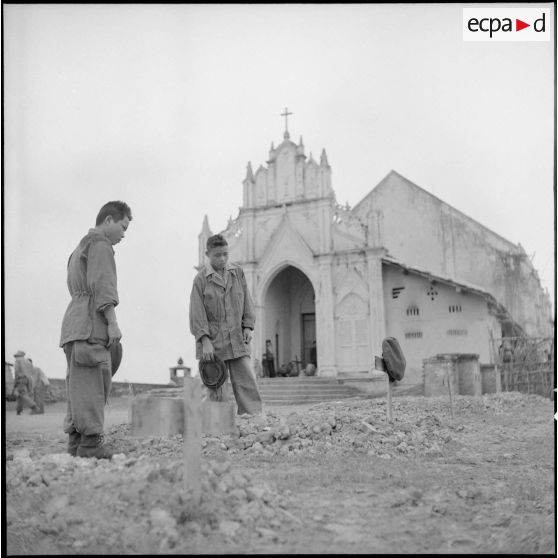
(286, 114)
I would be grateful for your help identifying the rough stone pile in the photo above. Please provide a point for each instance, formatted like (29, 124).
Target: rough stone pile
(338, 427)
(136, 503)
(420, 425)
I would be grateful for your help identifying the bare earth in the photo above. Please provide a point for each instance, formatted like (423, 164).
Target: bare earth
(328, 478)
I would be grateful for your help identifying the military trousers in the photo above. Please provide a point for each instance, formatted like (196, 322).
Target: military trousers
(39, 397)
(244, 386)
(23, 400)
(88, 383)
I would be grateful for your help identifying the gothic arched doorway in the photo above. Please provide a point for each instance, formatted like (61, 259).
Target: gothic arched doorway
(290, 318)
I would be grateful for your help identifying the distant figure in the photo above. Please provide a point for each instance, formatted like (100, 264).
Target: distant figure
(313, 354)
(23, 383)
(40, 385)
(506, 355)
(222, 320)
(269, 361)
(90, 332)
(8, 377)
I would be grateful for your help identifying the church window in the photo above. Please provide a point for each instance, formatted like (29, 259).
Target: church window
(432, 292)
(412, 311)
(413, 335)
(454, 332)
(396, 291)
(455, 308)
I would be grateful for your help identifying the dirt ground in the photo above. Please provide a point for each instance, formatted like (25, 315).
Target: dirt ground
(335, 477)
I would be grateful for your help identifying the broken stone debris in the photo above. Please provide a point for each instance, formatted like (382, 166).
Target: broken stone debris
(144, 484)
(147, 492)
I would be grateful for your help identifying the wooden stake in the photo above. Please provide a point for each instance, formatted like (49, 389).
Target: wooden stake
(449, 390)
(389, 407)
(192, 437)
(379, 364)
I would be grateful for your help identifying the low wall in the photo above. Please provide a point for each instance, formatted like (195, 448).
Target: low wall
(57, 389)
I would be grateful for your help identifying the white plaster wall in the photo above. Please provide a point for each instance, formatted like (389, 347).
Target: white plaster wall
(266, 222)
(422, 231)
(434, 321)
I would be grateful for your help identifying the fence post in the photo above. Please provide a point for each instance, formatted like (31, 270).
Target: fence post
(389, 406)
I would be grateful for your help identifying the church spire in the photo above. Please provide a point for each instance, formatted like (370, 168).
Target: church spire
(323, 159)
(300, 148)
(249, 173)
(202, 240)
(205, 226)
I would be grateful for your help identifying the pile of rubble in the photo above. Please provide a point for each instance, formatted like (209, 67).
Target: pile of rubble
(337, 428)
(136, 504)
(420, 424)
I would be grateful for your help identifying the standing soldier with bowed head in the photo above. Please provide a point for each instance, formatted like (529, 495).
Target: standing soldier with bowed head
(90, 330)
(222, 320)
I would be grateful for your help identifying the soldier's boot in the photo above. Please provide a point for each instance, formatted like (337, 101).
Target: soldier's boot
(93, 446)
(35, 410)
(74, 438)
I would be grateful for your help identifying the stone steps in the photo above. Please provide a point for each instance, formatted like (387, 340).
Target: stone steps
(300, 390)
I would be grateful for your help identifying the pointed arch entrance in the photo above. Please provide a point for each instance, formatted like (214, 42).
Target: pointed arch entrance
(289, 318)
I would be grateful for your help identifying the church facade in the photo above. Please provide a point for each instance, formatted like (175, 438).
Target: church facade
(400, 263)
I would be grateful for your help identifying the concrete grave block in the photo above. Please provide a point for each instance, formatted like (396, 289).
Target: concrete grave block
(218, 417)
(164, 416)
(435, 376)
(157, 416)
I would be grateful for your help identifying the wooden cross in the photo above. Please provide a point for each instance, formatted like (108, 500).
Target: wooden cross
(286, 114)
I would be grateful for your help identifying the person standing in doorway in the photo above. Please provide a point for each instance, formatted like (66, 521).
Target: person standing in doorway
(222, 320)
(269, 359)
(90, 330)
(313, 354)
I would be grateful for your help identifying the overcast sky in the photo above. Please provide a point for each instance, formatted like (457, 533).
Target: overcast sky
(162, 106)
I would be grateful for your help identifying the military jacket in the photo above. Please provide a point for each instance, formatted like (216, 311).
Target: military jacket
(220, 308)
(92, 285)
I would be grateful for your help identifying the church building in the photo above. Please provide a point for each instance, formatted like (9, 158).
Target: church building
(401, 263)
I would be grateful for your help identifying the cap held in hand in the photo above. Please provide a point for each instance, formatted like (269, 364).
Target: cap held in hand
(213, 373)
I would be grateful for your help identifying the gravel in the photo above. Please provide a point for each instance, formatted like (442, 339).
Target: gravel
(139, 503)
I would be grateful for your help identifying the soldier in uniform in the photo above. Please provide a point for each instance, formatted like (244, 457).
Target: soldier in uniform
(90, 332)
(23, 383)
(222, 319)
